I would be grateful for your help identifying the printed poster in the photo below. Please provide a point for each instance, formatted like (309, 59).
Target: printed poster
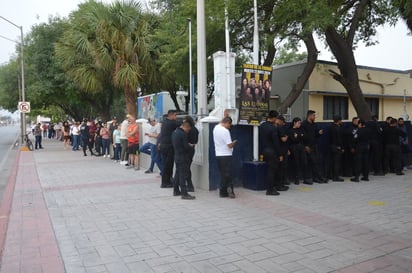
(254, 94)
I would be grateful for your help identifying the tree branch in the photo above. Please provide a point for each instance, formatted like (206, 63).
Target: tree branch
(356, 21)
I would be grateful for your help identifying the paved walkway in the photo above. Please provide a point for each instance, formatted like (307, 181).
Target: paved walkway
(75, 214)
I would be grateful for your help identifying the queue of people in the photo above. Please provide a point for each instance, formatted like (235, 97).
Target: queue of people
(355, 151)
(291, 152)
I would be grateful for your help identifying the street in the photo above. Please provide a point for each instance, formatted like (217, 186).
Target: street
(9, 135)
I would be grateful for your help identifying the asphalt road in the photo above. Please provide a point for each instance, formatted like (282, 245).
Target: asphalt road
(8, 151)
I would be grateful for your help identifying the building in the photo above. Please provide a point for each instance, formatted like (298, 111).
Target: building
(388, 92)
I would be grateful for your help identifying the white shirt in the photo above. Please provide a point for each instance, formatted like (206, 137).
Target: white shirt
(123, 129)
(154, 130)
(221, 137)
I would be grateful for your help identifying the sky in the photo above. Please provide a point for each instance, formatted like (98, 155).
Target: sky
(394, 50)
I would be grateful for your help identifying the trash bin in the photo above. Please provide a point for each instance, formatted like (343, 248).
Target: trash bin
(254, 175)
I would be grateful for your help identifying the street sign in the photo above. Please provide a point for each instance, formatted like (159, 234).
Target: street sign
(24, 107)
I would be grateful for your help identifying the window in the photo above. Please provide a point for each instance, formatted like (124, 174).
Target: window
(373, 105)
(335, 105)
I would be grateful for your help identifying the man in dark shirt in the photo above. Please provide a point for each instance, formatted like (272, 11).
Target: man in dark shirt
(360, 150)
(193, 137)
(182, 152)
(270, 148)
(391, 136)
(166, 149)
(336, 148)
(312, 133)
(284, 149)
(376, 145)
(85, 135)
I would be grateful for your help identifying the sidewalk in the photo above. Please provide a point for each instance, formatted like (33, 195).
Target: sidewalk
(76, 214)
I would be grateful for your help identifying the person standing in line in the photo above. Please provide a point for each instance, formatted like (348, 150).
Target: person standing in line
(150, 146)
(284, 149)
(112, 127)
(376, 146)
(361, 138)
(116, 143)
(37, 136)
(393, 155)
(298, 155)
(270, 149)
(404, 144)
(76, 136)
(123, 141)
(193, 139)
(66, 134)
(92, 133)
(85, 135)
(166, 148)
(133, 143)
(312, 133)
(182, 152)
(336, 148)
(105, 135)
(224, 149)
(98, 139)
(45, 129)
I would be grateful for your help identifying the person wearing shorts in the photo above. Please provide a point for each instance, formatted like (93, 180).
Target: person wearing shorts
(133, 143)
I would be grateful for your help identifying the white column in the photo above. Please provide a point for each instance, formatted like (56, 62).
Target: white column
(201, 60)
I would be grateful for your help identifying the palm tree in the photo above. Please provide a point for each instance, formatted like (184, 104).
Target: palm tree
(108, 44)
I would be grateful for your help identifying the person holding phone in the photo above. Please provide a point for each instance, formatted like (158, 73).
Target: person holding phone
(224, 149)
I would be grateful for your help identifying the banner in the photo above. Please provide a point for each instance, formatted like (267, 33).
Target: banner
(255, 94)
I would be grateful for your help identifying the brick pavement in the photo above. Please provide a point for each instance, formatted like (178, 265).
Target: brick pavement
(78, 214)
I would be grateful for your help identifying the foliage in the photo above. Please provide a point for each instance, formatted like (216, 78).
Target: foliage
(10, 85)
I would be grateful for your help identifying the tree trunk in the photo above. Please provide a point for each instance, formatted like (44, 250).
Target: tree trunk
(270, 56)
(131, 103)
(303, 78)
(348, 76)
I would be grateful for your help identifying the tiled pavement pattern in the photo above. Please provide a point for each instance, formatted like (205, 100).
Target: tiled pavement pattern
(80, 214)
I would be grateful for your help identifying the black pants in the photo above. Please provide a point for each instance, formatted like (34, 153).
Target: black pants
(37, 142)
(273, 165)
(86, 144)
(361, 161)
(182, 173)
(224, 164)
(98, 145)
(393, 155)
(283, 170)
(376, 156)
(313, 162)
(168, 159)
(300, 162)
(336, 161)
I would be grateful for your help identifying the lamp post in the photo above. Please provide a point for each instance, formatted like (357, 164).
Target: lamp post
(23, 98)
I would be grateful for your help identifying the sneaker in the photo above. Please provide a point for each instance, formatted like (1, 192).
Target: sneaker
(272, 193)
(188, 197)
(123, 162)
(148, 171)
(355, 179)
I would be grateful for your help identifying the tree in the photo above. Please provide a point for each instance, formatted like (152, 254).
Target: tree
(354, 21)
(10, 85)
(405, 9)
(108, 45)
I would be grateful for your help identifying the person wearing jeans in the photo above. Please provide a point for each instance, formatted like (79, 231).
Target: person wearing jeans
(150, 146)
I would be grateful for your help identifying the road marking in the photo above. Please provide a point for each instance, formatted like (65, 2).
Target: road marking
(376, 203)
(305, 189)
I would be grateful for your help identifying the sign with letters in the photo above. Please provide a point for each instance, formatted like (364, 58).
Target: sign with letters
(254, 94)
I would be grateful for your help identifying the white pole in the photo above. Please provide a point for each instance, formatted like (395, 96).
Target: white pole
(227, 37)
(192, 97)
(255, 61)
(201, 60)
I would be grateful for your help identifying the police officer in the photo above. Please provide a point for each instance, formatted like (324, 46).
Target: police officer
(312, 133)
(393, 155)
(336, 148)
(270, 148)
(360, 150)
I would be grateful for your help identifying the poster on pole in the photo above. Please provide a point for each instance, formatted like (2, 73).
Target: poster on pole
(254, 94)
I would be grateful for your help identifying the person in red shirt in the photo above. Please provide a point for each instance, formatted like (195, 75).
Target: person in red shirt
(133, 143)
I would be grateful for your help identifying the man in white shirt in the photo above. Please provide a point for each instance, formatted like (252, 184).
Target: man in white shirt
(224, 149)
(150, 147)
(123, 141)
